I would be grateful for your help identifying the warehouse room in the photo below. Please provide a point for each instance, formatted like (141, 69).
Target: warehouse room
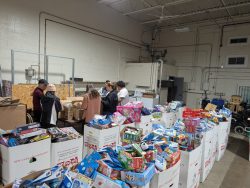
(124, 93)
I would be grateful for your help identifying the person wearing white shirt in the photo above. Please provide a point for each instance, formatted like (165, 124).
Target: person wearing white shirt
(123, 95)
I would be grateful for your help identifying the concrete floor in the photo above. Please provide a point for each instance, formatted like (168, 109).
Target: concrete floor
(233, 171)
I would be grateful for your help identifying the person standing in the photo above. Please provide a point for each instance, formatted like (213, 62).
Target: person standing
(37, 95)
(103, 91)
(123, 95)
(110, 102)
(91, 104)
(51, 106)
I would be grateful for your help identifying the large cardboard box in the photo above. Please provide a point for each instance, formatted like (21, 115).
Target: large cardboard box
(28, 177)
(180, 113)
(168, 119)
(78, 114)
(145, 124)
(67, 153)
(146, 119)
(207, 153)
(12, 116)
(190, 168)
(168, 178)
(214, 145)
(222, 139)
(95, 139)
(19, 161)
(146, 127)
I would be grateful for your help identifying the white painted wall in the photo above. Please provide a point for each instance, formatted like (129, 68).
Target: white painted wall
(97, 58)
(181, 52)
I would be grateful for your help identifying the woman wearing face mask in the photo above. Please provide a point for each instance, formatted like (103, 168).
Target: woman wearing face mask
(110, 101)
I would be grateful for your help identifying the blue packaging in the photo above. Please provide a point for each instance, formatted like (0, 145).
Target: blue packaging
(140, 179)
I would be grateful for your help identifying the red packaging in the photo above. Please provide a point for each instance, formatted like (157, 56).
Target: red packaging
(150, 155)
(137, 163)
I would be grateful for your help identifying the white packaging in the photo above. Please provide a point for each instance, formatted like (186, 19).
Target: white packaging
(168, 119)
(222, 139)
(207, 153)
(95, 139)
(102, 181)
(67, 153)
(19, 161)
(190, 168)
(168, 178)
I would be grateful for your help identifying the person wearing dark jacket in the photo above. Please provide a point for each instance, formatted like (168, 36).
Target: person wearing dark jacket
(51, 106)
(37, 95)
(110, 101)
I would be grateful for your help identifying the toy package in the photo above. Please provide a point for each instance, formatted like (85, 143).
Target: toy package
(23, 135)
(131, 135)
(132, 111)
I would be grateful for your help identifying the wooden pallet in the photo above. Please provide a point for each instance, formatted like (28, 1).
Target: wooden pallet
(24, 92)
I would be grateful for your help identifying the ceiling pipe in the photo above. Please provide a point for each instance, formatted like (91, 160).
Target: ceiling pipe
(143, 10)
(157, 6)
(224, 4)
(198, 12)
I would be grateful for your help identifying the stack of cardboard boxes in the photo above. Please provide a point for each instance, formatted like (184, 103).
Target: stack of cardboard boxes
(235, 103)
(72, 109)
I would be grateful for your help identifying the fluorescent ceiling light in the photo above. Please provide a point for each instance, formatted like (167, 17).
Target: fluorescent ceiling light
(182, 30)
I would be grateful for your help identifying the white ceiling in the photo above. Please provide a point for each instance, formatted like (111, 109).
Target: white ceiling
(169, 13)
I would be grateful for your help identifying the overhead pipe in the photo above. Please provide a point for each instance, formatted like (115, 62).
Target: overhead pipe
(112, 36)
(228, 25)
(224, 4)
(161, 63)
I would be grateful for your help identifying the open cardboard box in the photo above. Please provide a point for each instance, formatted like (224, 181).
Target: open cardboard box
(30, 176)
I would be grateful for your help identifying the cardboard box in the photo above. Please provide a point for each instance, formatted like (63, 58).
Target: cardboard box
(214, 145)
(19, 161)
(146, 127)
(207, 153)
(74, 99)
(78, 114)
(168, 119)
(28, 177)
(190, 168)
(145, 124)
(210, 107)
(236, 98)
(180, 113)
(222, 139)
(68, 113)
(12, 116)
(168, 178)
(67, 153)
(146, 119)
(95, 139)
